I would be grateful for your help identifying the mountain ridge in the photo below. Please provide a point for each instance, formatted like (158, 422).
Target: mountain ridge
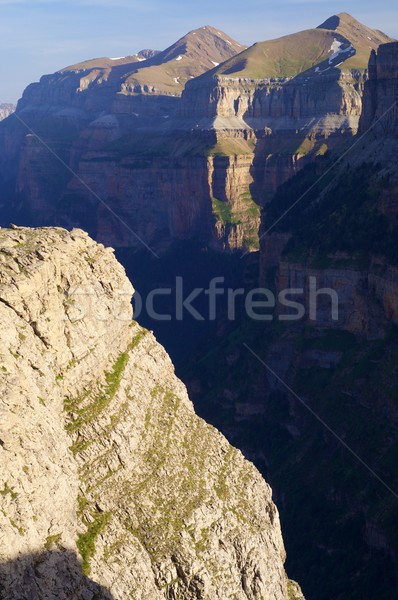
(283, 57)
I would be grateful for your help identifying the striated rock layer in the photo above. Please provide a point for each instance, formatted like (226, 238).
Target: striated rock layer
(111, 486)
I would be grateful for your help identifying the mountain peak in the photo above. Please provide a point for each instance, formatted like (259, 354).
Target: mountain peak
(333, 22)
(198, 51)
(339, 42)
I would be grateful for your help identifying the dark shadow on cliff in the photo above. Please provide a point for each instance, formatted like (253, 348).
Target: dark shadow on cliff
(53, 575)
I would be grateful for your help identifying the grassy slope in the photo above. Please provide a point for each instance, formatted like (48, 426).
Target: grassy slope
(283, 57)
(168, 71)
(293, 54)
(199, 51)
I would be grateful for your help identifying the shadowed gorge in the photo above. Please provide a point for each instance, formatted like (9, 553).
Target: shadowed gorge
(250, 194)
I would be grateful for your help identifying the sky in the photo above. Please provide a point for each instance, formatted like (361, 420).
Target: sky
(42, 36)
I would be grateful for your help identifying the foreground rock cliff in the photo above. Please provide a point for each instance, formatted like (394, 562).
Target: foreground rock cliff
(111, 486)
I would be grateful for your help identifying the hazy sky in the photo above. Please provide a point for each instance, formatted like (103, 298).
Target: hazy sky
(42, 36)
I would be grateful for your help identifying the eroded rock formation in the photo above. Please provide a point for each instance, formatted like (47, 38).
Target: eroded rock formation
(101, 452)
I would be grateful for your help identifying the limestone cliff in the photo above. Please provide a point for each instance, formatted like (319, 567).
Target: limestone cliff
(101, 453)
(380, 96)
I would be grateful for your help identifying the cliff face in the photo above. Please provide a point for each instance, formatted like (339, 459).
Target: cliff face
(380, 95)
(102, 454)
(291, 100)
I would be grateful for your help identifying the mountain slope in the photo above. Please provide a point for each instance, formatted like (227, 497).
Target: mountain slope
(195, 53)
(293, 54)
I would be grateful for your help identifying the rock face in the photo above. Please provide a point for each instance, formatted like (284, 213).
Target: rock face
(102, 454)
(380, 95)
(6, 110)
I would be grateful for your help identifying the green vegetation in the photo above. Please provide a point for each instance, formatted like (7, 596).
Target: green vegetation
(283, 57)
(53, 540)
(223, 212)
(20, 530)
(83, 412)
(86, 541)
(7, 490)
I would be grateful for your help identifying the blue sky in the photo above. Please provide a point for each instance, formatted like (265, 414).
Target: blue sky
(42, 36)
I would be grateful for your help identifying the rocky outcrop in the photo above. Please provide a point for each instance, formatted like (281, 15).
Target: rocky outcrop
(101, 453)
(6, 110)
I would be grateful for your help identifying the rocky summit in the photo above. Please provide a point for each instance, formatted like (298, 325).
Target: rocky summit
(111, 486)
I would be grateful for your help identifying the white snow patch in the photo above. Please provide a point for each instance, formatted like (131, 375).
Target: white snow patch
(179, 57)
(336, 49)
(215, 63)
(316, 69)
(177, 79)
(140, 59)
(194, 33)
(118, 58)
(228, 42)
(369, 38)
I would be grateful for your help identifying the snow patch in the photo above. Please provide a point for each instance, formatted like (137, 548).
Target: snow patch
(215, 63)
(336, 49)
(179, 57)
(228, 42)
(177, 80)
(316, 69)
(118, 58)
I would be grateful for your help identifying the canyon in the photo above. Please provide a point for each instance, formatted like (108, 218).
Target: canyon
(194, 160)
(180, 178)
(318, 410)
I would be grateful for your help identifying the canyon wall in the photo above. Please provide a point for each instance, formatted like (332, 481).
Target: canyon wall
(196, 166)
(380, 96)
